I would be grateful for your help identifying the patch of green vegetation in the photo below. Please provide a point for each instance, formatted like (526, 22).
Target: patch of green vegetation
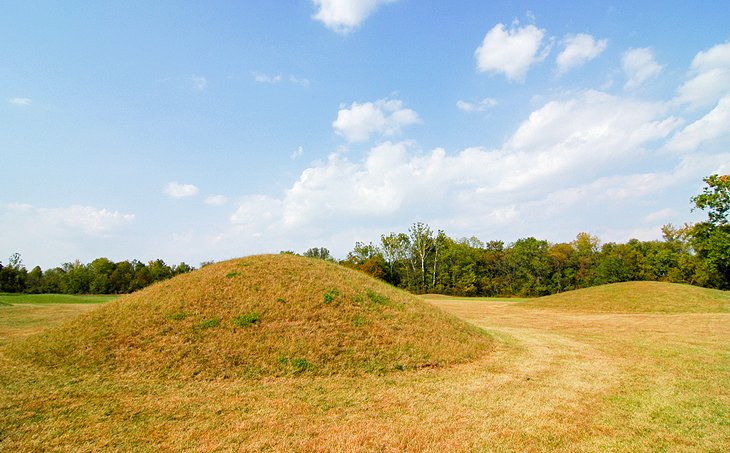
(179, 316)
(377, 298)
(280, 300)
(381, 299)
(247, 319)
(301, 365)
(330, 296)
(296, 365)
(232, 274)
(209, 323)
(11, 299)
(358, 320)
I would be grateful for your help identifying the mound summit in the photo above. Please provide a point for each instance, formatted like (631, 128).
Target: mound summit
(268, 315)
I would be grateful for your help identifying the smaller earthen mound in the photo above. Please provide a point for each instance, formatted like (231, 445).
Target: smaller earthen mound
(638, 297)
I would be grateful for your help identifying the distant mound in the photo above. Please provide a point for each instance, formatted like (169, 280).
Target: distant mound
(638, 297)
(269, 315)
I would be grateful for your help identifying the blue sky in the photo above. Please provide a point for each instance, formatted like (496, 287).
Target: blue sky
(208, 130)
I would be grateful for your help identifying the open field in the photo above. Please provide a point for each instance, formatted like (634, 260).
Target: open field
(555, 379)
(14, 299)
(27, 314)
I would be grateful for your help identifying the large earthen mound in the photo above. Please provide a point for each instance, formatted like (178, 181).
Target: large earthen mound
(269, 315)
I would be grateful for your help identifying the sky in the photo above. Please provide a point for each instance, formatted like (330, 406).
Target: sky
(198, 131)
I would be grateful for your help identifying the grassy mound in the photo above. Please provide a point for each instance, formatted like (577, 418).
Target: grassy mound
(260, 316)
(638, 297)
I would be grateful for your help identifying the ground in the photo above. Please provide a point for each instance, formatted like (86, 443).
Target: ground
(558, 379)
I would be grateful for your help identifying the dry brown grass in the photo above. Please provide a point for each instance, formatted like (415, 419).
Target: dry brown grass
(261, 316)
(557, 380)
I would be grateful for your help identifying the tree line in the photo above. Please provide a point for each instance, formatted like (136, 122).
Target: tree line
(422, 260)
(101, 276)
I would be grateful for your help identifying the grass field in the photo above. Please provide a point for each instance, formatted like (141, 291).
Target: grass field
(563, 379)
(26, 314)
(11, 299)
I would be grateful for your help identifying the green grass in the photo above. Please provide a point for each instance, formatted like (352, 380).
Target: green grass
(247, 319)
(11, 299)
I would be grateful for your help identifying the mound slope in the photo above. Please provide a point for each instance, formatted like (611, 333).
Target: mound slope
(638, 297)
(268, 315)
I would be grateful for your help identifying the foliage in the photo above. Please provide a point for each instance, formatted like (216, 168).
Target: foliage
(101, 276)
(711, 239)
(715, 198)
(422, 262)
(320, 253)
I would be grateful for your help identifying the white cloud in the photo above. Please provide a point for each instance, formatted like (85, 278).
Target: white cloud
(480, 106)
(200, 83)
(575, 164)
(304, 83)
(710, 71)
(20, 102)
(713, 125)
(561, 144)
(579, 49)
(343, 16)
(299, 152)
(176, 190)
(85, 219)
(512, 51)
(261, 77)
(216, 200)
(384, 117)
(256, 214)
(660, 215)
(639, 67)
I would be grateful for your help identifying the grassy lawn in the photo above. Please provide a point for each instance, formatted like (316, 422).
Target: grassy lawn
(558, 379)
(12, 299)
(26, 314)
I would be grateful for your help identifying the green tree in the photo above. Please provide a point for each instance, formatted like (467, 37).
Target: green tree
(711, 239)
(422, 245)
(13, 275)
(34, 281)
(528, 262)
(394, 248)
(321, 253)
(101, 271)
(76, 279)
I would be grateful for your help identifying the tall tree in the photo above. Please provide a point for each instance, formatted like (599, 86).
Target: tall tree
(711, 239)
(422, 245)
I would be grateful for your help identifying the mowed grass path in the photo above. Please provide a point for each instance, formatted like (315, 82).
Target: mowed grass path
(567, 380)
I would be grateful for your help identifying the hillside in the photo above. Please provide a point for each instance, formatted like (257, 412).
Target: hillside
(260, 316)
(638, 297)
